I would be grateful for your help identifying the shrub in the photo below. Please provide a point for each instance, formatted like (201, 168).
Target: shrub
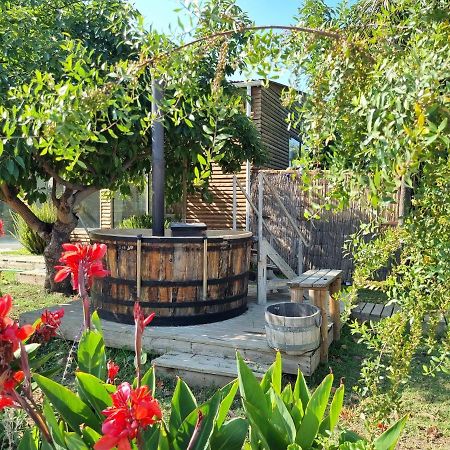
(97, 414)
(25, 235)
(141, 221)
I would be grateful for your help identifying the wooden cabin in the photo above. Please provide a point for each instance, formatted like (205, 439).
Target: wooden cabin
(266, 110)
(269, 116)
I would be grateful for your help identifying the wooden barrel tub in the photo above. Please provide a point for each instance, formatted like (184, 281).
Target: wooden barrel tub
(172, 277)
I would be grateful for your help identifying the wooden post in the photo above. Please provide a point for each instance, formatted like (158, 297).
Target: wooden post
(234, 203)
(320, 299)
(205, 269)
(300, 257)
(262, 256)
(296, 294)
(335, 312)
(184, 193)
(138, 267)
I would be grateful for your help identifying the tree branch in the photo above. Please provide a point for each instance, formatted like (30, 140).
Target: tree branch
(79, 196)
(50, 171)
(55, 199)
(14, 202)
(211, 37)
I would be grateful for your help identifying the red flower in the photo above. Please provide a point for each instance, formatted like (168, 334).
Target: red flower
(2, 230)
(89, 257)
(8, 381)
(113, 370)
(10, 332)
(132, 411)
(49, 323)
(139, 319)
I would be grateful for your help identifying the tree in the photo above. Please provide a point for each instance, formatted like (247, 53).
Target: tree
(379, 99)
(76, 109)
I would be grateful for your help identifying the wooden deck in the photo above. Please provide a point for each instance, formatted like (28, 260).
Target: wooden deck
(245, 334)
(373, 311)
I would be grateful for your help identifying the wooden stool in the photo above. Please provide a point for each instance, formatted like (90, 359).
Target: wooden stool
(322, 285)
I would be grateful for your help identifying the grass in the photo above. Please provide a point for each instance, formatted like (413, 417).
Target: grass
(27, 297)
(427, 400)
(17, 251)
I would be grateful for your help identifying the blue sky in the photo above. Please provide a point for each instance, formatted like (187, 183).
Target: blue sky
(160, 13)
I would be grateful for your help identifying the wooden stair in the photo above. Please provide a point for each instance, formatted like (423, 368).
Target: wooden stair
(202, 370)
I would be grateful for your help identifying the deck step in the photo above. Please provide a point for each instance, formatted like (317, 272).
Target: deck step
(23, 262)
(202, 370)
(36, 276)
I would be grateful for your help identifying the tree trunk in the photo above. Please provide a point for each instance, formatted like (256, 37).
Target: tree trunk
(60, 235)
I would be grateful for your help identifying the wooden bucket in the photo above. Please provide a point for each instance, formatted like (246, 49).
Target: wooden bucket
(293, 328)
(172, 276)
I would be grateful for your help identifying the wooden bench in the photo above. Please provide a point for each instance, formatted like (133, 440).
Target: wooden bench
(322, 285)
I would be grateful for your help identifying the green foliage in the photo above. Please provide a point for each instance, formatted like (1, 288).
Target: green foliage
(296, 419)
(377, 118)
(77, 101)
(25, 235)
(141, 221)
(277, 417)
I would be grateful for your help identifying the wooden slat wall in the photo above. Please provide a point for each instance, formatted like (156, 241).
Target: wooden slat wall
(106, 209)
(219, 213)
(273, 127)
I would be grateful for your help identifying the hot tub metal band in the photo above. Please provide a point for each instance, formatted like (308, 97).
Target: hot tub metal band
(205, 268)
(175, 283)
(138, 267)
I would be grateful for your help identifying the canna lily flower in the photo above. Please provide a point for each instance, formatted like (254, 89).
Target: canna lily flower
(140, 323)
(89, 257)
(113, 370)
(133, 410)
(2, 229)
(8, 382)
(139, 319)
(10, 333)
(49, 323)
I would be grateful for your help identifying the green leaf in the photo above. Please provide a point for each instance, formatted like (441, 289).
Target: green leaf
(28, 442)
(388, 440)
(260, 424)
(74, 411)
(294, 447)
(150, 380)
(281, 417)
(228, 394)
(91, 354)
(201, 159)
(74, 442)
(331, 420)
(272, 378)
(183, 403)
(297, 413)
(94, 391)
(231, 435)
(52, 423)
(90, 436)
(96, 322)
(287, 395)
(301, 391)
(314, 412)
(150, 437)
(206, 427)
(163, 442)
(251, 391)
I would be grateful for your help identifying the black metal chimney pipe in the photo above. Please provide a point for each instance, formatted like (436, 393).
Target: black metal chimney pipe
(158, 163)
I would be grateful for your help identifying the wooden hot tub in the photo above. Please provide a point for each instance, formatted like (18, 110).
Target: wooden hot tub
(172, 276)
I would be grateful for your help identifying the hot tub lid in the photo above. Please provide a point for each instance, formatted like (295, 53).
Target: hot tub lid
(188, 229)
